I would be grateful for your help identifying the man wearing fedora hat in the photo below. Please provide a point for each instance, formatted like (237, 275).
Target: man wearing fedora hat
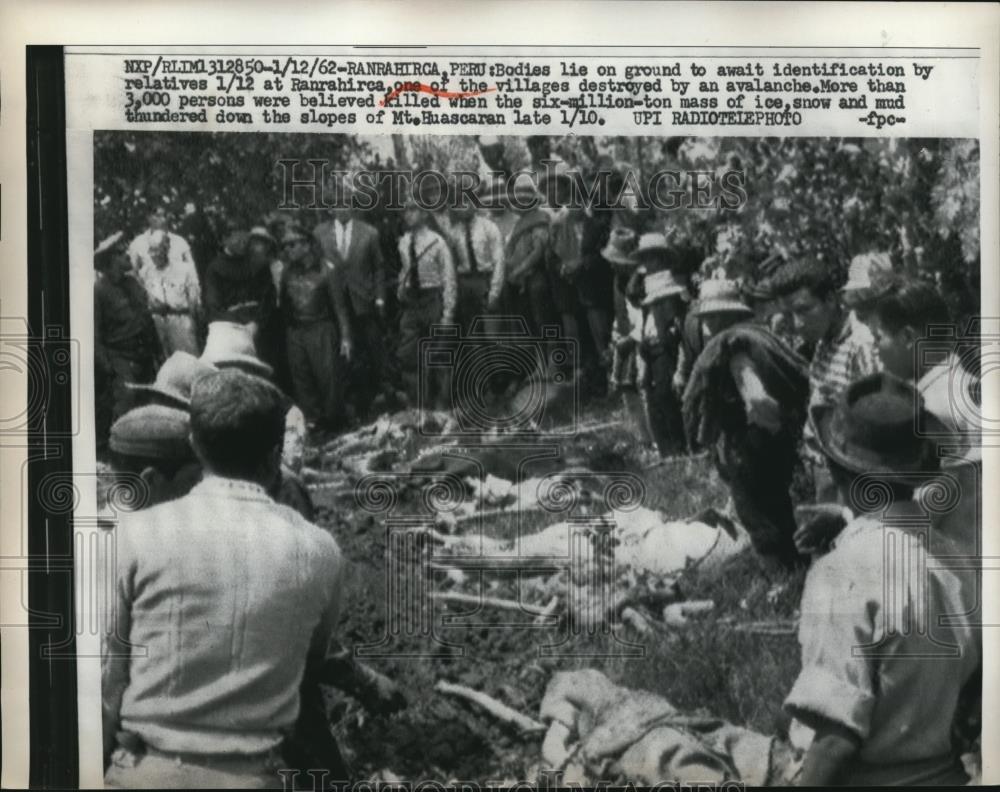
(126, 345)
(353, 247)
(887, 640)
(317, 329)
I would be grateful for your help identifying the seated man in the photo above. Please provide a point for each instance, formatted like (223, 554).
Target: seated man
(222, 596)
(887, 641)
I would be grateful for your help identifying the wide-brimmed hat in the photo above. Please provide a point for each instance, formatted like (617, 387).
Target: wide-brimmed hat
(174, 379)
(230, 345)
(867, 271)
(153, 431)
(719, 295)
(261, 233)
(873, 428)
(621, 245)
(657, 251)
(661, 285)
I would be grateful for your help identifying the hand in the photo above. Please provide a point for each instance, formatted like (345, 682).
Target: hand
(819, 524)
(345, 348)
(764, 411)
(380, 308)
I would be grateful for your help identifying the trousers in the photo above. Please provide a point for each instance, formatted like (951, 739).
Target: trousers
(758, 467)
(421, 311)
(153, 769)
(315, 366)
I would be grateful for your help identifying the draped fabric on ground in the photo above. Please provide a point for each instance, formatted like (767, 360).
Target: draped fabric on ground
(615, 731)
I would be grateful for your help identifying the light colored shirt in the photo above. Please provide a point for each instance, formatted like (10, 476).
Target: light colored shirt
(342, 234)
(878, 656)
(174, 287)
(220, 596)
(483, 235)
(946, 389)
(435, 266)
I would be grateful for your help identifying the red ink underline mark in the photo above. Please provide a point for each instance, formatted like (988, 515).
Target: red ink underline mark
(423, 88)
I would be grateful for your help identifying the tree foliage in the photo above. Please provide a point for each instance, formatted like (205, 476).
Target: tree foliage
(826, 198)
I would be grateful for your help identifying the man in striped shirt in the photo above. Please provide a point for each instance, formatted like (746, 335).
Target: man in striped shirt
(844, 349)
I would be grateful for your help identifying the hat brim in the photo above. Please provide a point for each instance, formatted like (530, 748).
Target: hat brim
(173, 397)
(857, 460)
(247, 363)
(613, 256)
(721, 306)
(663, 294)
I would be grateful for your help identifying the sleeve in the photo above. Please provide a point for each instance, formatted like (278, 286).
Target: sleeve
(116, 653)
(404, 259)
(330, 569)
(379, 273)
(449, 283)
(837, 683)
(192, 287)
(864, 359)
(338, 296)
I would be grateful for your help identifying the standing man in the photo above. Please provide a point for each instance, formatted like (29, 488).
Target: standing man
(126, 345)
(318, 331)
(426, 291)
(223, 602)
(526, 257)
(166, 271)
(479, 246)
(844, 349)
(354, 249)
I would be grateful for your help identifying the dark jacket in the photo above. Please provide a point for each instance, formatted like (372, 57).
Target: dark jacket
(314, 293)
(235, 292)
(362, 270)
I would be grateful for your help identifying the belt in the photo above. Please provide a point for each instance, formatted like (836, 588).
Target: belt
(131, 747)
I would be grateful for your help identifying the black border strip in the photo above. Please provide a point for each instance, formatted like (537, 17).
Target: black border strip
(52, 668)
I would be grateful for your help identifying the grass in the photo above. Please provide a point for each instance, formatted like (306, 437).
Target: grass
(707, 666)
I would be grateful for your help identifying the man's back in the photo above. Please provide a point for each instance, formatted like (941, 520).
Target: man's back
(226, 590)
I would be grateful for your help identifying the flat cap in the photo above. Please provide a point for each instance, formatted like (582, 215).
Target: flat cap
(154, 432)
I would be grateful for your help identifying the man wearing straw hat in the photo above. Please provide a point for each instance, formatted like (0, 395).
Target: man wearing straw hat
(744, 401)
(664, 271)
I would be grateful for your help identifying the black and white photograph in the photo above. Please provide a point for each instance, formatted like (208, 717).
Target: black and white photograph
(559, 459)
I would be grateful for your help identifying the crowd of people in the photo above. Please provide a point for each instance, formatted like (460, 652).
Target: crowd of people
(800, 387)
